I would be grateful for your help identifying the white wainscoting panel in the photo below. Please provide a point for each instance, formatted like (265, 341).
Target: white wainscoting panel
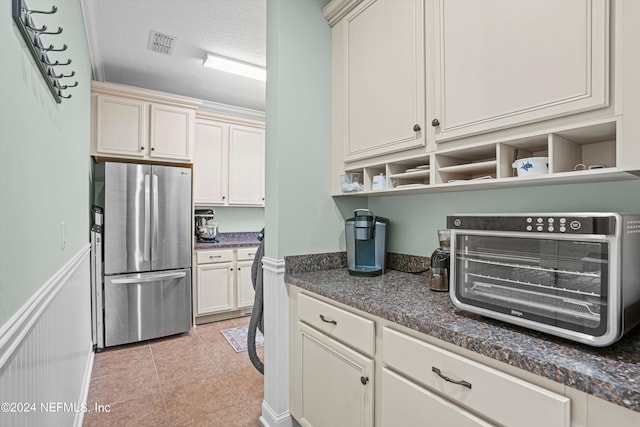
(46, 352)
(275, 406)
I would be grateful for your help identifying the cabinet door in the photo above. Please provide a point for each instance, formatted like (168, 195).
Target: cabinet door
(210, 163)
(121, 126)
(244, 286)
(384, 72)
(336, 383)
(407, 404)
(215, 288)
(500, 63)
(172, 132)
(246, 165)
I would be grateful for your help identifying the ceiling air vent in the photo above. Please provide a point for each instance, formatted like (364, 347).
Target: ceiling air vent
(161, 43)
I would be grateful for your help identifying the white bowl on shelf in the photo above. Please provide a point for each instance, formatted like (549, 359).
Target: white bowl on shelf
(531, 166)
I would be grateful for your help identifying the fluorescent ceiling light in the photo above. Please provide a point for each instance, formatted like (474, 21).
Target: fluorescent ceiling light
(235, 67)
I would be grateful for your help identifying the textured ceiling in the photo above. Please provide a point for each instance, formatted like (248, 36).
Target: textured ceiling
(118, 32)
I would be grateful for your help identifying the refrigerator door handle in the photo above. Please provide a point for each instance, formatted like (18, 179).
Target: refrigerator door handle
(149, 278)
(147, 217)
(154, 237)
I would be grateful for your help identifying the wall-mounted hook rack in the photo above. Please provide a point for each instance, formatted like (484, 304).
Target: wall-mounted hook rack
(31, 32)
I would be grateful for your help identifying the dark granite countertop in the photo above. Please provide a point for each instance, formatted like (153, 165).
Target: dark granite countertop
(231, 240)
(611, 373)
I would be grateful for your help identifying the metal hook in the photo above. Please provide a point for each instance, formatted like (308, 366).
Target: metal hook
(57, 84)
(63, 96)
(51, 72)
(45, 60)
(52, 49)
(42, 30)
(27, 12)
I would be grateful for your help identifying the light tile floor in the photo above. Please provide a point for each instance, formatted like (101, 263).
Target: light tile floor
(193, 379)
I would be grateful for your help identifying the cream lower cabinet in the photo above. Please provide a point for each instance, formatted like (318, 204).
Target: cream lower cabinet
(332, 366)
(455, 387)
(405, 403)
(222, 286)
(214, 293)
(349, 368)
(337, 383)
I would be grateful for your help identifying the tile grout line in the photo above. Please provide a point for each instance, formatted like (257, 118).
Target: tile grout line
(155, 368)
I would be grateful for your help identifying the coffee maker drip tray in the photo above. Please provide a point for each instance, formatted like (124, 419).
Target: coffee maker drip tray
(366, 271)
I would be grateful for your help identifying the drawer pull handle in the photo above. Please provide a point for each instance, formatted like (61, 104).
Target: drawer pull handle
(446, 378)
(364, 380)
(216, 256)
(324, 319)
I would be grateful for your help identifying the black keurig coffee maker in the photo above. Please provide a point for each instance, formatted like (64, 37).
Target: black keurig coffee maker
(439, 274)
(366, 236)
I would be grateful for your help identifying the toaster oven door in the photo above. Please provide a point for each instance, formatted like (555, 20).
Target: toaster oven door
(548, 282)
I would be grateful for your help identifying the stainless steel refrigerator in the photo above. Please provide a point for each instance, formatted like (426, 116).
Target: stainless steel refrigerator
(147, 252)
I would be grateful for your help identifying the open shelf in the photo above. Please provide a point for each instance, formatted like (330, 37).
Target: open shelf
(575, 154)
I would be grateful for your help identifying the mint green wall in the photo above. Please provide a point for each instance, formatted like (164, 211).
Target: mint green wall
(415, 219)
(232, 219)
(44, 158)
(299, 211)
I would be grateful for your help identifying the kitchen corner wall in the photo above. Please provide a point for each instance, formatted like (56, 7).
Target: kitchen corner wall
(44, 159)
(236, 219)
(300, 215)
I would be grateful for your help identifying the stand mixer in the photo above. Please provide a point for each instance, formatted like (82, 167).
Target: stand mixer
(205, 228)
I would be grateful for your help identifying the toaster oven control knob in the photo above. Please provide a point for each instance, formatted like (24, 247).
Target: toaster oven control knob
(529, 228)
(539, 228)
(457, 222)
(563, 228)
(529, 220)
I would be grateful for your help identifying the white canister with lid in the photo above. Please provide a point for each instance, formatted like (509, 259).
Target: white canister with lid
(379, 182)
(530, 166)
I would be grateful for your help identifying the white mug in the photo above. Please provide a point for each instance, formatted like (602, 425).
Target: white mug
(379, 182)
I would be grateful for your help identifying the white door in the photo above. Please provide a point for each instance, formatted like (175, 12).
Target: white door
(502, 63)
(246, 165)
(385, 78)
(214, 288)
(246, 294)
(210, 163)
(172, 132)
(337, 383)
(121, 126)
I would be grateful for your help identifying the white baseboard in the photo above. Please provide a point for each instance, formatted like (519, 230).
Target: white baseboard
(46, 350)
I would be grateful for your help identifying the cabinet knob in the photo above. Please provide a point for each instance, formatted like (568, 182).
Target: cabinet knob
(224, 197)
(141, 148)
(435, 123)
(416, 128)
(364, 380)
(153, 149)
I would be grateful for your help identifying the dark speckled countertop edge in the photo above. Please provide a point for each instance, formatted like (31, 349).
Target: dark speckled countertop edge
(611, 373)
(230, 240)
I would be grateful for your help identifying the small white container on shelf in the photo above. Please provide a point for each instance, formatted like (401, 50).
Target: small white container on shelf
(530, 166)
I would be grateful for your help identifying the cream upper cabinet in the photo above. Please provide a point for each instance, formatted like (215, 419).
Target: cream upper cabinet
(499, 64)
(379, 78)
(229, 164)
(246, 165)
(135, 123)
(172, 132)
(121, 126)
(210, 165)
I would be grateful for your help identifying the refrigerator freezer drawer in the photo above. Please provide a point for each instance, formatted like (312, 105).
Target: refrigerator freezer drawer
(144, 306)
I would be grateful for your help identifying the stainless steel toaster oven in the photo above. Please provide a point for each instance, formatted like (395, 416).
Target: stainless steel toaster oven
(574, 275)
